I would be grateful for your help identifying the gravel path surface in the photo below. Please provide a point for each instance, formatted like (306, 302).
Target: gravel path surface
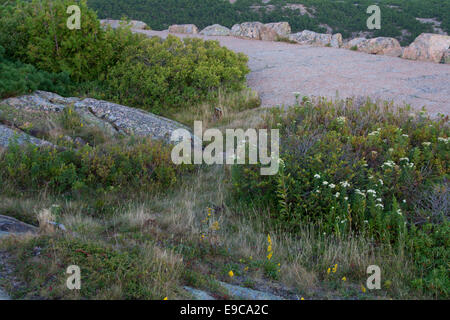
(279, 69)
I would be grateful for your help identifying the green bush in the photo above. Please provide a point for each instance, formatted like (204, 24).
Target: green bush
(36, 33)
(159, 74)
(350, 167)
(430, 247)
(137, 164)
(17, 78)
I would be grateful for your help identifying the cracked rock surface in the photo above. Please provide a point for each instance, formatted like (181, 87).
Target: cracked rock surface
(110, 117)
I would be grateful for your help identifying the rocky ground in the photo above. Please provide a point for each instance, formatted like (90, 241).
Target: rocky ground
(280, 69)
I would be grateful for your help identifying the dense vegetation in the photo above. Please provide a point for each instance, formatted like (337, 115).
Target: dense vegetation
(345, 16)
(365, 169)
(360, 183)
(20, 78)
(116, 64)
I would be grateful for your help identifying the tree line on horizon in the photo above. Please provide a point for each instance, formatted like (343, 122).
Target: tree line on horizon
(345, 16)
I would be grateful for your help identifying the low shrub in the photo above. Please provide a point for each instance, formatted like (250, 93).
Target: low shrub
(350, 167)
(140, 164)
(107, 272)
(430, 248)
(19, 78)
(172, 73)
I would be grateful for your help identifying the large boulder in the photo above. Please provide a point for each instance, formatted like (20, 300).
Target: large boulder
(111, 118)
(304, 37)
(216, 30)
(381, 45)
(134, 24)
(336, 40)
(184, 28)
(283, 29)
(254, 30)
(428, 47)
(323, 39)
(308, 37)
(354, 43)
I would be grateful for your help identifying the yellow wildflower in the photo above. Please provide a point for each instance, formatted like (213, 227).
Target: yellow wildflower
(231, 273)
(335, 268)
(215, 226)
(363, 289)
(166, 298)
(246, 269)
(269, 256)
(344, 279)
(328, 271)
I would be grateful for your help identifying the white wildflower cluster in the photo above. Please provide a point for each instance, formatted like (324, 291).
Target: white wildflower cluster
(341, 120)
(345, 184)
(426, 144)
(444, 140)
(373, 192)
(405, 135)
(399, 212)
(406, 162)
(332, 186)
(317, 176)
(325, 183)
(379, 203)
(375, 133)
(381, 182)
(389, 164)
(357, 191)
(337, 194)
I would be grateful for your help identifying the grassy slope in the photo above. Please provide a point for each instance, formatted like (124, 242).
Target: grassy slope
(193, 235)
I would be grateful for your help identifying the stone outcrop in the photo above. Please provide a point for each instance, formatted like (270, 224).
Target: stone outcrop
(184, 28)
(10, 225)
(8, 135)
(254, 30)
(381, 45)
(111, 118)
(216, 30)
(308, 37)
(336, 40)
(134, 24)
(283, 29)
(428, 47)
(354, 43)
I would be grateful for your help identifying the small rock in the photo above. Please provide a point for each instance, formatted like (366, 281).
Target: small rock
(254, 30)
(10, 225)
(336, 40)
(248, 294)
(134, 24)
(216, 30)
(184, 28)
(199, 294)
(283, 29)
